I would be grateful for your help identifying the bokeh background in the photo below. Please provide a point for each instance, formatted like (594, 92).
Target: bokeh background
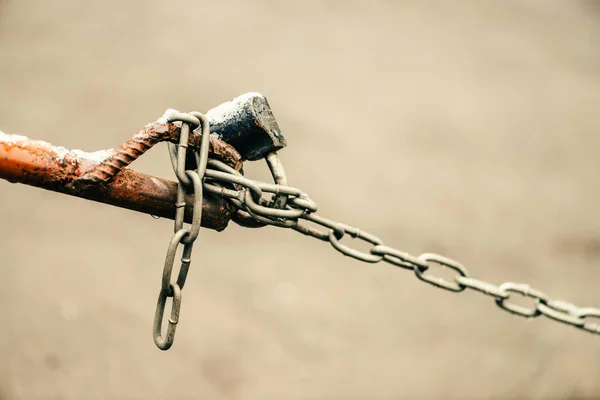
(468, 128)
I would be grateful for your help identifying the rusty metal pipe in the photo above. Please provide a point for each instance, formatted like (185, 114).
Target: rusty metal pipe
(40, 164)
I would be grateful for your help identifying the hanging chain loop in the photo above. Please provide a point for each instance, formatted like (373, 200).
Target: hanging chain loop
(189, 182)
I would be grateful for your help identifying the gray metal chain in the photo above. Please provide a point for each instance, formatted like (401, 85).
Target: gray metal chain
(190, 181)
(298, 210)
(260, 203)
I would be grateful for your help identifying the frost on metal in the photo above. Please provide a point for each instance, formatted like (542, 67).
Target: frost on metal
(59, 153)
(22, 141)
(95, 157)
(230, 110)
(12, 139)
(163, 119)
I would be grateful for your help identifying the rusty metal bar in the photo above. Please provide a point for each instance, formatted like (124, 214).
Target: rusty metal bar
(243, 128)
(40, 164)
(151, 134)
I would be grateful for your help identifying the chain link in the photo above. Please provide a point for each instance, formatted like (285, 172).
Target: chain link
(259, 204)
(191, 182)
(299, 210)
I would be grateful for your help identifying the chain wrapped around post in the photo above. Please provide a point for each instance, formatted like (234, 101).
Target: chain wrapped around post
(259, 204)
(188, 181)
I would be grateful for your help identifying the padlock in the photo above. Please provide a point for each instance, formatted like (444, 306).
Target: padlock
(247, 123)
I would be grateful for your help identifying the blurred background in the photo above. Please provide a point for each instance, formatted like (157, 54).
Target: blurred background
(465, 128)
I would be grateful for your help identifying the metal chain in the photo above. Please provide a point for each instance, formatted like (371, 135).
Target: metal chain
(260, 203)
(295, 213)
(190, 181)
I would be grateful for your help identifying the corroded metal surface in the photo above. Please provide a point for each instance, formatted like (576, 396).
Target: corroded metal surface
(151, 134)
(102, 176)
(56, 168)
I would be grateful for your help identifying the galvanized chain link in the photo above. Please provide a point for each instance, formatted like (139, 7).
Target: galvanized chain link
(190, 181)
(297, 210)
